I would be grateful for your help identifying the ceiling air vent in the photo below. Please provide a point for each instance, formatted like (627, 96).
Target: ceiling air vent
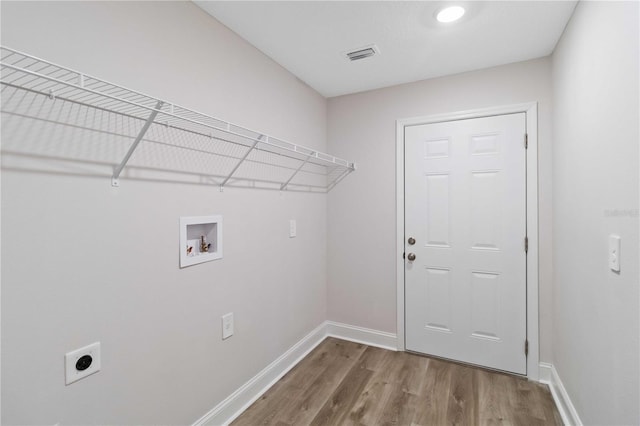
(362, 53)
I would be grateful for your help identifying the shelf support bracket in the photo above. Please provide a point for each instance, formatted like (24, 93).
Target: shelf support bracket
(244, 157)
(339, 178)
(284, 185)
(116, 173)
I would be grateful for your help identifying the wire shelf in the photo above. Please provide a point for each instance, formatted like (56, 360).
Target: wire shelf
(151, 131)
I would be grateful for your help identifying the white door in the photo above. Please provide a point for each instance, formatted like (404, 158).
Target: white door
(465, 207)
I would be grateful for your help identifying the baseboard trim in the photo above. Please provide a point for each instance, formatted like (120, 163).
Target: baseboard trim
(544, 370)
(367, 336)
(232, 406)
(549, 376)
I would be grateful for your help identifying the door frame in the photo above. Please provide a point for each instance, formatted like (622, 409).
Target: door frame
(531, 113)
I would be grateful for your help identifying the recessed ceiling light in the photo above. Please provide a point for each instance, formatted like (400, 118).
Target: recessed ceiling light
(450, 14)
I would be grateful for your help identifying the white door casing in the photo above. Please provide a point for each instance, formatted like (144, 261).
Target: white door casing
(465, 196)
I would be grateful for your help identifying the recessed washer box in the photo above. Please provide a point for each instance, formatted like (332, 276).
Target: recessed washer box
(200, 239)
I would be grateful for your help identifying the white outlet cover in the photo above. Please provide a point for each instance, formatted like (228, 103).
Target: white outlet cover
(227, 325)
(71, 358)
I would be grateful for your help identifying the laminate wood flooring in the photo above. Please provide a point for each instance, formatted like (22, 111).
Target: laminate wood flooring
(345, 383)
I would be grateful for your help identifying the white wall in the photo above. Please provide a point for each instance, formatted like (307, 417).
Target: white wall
(361, 245)
(85, 262)
(595, 169)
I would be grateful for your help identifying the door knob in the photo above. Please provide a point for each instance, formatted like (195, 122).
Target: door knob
(411, 241)
(411, 257)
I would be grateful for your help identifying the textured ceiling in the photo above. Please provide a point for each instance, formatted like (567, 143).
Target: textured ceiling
(310, 38)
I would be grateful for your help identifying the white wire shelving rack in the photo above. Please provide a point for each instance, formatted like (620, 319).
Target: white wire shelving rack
(244, 154)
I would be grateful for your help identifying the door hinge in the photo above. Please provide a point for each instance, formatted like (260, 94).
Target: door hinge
(526, 347)
(526, 141)
(526, 244)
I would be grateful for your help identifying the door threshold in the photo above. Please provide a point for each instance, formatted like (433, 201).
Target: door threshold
(468, 364)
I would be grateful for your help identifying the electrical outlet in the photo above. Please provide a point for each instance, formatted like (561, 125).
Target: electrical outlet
(227, 325)
(82, 362)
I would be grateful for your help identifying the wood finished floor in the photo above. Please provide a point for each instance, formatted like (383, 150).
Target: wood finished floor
(345, 383)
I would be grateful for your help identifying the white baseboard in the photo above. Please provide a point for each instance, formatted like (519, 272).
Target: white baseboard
(544, 370)
(367, 336)
(549, 376)
(232, 406)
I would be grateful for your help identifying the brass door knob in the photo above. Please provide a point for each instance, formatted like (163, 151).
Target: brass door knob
(411, 257)
(411, 241)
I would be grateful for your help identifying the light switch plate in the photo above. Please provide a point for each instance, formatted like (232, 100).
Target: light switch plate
(72, 373)
(292, 228)
(614, 253)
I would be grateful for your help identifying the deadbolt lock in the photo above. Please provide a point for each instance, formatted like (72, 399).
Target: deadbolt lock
(411, 257)
(411, 241)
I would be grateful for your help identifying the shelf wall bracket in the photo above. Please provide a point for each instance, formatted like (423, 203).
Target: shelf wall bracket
(284, 185)
(339, 178)
(115, 181)
(244, 157)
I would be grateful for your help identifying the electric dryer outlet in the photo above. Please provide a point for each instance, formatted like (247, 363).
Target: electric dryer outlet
(82, 362)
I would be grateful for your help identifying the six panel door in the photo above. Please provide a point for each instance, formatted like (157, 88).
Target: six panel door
(465, 206)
